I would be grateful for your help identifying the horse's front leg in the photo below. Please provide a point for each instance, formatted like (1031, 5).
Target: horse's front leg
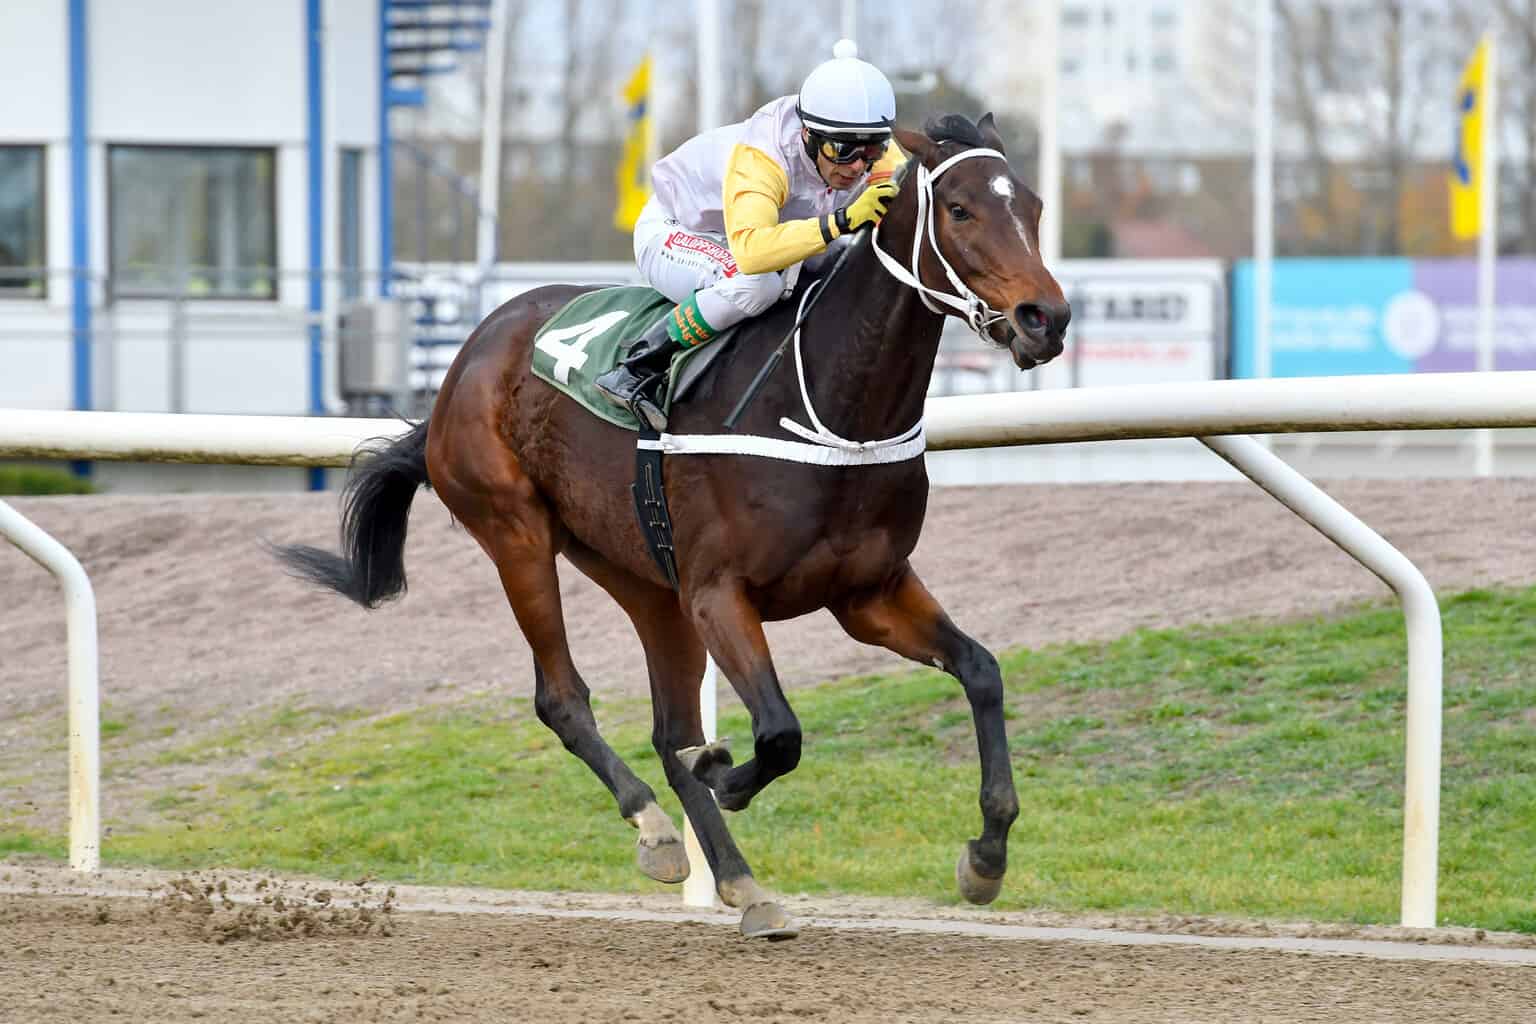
(732, 631)
(904, 617)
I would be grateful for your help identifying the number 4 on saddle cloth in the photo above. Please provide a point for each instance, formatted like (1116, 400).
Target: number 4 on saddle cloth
(590, 335)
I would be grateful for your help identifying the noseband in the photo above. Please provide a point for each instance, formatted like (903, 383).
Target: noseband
(965, 302)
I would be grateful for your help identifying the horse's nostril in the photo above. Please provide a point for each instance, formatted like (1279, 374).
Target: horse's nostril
(1043, 319)
(1031, 318)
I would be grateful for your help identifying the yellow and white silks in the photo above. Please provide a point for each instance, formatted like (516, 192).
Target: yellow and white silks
(734, 209)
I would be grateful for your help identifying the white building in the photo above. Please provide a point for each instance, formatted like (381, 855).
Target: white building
(190, 191)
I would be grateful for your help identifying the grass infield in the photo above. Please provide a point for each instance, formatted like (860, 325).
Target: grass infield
(1249, 769)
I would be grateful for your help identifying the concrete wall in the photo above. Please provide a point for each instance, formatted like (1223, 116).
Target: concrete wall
(34, 50)
(198, 72)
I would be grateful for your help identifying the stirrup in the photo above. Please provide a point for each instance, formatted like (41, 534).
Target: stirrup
(647, 409)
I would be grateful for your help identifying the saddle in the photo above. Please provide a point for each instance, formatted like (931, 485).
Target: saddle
(589, 336)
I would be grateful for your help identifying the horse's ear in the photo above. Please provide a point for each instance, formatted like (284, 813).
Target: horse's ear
(915, 144)
(989, 135)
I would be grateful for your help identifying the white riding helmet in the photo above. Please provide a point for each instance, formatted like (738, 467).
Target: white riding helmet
(846, 96)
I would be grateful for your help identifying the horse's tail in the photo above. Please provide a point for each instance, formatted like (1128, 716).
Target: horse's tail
(375, 511)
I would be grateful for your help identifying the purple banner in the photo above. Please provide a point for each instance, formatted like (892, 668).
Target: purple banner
(1446, 295)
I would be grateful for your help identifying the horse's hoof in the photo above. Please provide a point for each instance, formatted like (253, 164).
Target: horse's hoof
(707, 763)
(665, 861)
(975, 886)
(768, 921)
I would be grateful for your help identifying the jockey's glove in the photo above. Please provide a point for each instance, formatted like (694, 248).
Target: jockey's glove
(869, 207)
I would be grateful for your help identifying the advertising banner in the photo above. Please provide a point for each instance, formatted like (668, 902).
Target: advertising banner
(1345, 316)
(1133, 322)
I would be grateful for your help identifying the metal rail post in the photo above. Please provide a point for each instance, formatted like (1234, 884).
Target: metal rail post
(84, 704)
(1421, 791)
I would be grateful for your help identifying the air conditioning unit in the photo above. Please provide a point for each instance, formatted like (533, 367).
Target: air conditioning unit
(373, 357)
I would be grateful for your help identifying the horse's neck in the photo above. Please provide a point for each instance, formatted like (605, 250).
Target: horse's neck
(869, 350)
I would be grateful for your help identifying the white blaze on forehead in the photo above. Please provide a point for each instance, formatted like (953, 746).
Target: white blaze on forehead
(1003, 187)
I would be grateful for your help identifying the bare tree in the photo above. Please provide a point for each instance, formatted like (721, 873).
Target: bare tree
(1363, 96)
(1518, 18)
(1361, 85)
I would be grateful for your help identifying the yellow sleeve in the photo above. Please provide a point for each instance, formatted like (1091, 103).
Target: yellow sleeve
(756, 188)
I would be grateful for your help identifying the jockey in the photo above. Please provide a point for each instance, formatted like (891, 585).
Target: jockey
(735, 209)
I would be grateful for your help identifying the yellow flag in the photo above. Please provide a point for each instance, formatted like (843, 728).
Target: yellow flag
(1467, 164)
(634, 172)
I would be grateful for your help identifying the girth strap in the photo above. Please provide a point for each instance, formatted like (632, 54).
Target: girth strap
(651, 506)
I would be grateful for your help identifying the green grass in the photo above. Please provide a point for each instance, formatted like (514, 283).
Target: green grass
(19, 478)
(1248, 769)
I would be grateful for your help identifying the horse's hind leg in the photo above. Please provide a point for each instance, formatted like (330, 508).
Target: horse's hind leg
(518, 531)
(903, 617)
(674, 657)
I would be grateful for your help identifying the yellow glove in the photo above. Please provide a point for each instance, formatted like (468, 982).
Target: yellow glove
(870, 206)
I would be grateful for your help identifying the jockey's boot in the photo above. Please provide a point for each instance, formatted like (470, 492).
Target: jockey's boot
(637, 380)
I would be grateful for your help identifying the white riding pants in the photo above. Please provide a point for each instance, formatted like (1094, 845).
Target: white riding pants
(678, 263)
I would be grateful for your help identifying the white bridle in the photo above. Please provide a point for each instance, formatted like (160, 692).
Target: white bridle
(965, 302)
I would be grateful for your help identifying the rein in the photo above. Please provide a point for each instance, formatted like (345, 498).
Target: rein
(967, 303)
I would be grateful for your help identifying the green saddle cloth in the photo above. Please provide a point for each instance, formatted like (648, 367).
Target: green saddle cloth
(590, 335)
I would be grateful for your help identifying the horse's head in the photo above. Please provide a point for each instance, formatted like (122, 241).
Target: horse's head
(982, 225)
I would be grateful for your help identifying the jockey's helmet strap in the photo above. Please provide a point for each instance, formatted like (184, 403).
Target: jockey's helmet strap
(964, 302)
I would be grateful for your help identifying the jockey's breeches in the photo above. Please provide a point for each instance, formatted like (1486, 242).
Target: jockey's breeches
(678, 262)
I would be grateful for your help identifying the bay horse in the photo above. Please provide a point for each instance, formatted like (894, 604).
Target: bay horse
(530, 475)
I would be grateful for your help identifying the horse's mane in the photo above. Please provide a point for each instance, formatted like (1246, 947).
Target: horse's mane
(943, 128)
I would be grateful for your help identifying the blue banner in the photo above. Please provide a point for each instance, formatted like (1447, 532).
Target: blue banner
(1347, 316)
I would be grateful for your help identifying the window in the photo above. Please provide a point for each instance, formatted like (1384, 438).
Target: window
(197, 222)
(1076, 17)
(351, 224)
(1164, 61)
(21, 222)
(1070, 66)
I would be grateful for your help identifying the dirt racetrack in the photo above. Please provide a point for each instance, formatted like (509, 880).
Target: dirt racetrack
(244, 948)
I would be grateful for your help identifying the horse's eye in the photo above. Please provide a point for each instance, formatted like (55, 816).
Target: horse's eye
(958, 212)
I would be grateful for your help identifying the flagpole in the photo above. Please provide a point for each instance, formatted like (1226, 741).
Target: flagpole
(490, 146)
(1488, 234)
(1050, 138)
(1263, 188)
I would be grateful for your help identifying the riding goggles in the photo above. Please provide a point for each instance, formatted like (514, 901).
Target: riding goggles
(846, 151)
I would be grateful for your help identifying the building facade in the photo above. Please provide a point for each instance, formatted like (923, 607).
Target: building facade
(187, 195)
